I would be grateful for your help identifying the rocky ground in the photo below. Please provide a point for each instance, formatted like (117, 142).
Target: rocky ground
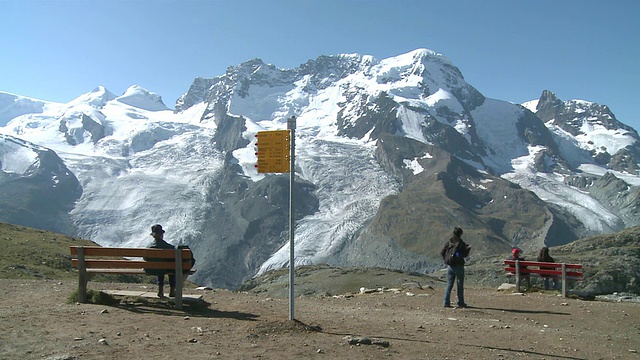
(406, 321)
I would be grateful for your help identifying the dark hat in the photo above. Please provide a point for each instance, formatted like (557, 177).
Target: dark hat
(156, 229)
(457, 231)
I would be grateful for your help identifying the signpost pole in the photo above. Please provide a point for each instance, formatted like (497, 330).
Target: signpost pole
(291, 125)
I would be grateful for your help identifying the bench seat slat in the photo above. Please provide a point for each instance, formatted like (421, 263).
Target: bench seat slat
(542, 272)
(544, 264)
(550, 277)
(116, 271)
(129, 252)
(125, 271)
(130, 264)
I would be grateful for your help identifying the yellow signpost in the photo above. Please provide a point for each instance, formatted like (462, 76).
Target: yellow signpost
(273, 151)
(276, 154)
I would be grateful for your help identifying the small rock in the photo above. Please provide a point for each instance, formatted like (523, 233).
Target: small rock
(103, 341)
(187, 317)
(193, 340)
(380, 342)
(506, 286)
(104, 311)
(354, 340)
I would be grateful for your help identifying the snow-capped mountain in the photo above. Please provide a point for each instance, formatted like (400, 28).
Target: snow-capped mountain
(36, 188)
(390, 155)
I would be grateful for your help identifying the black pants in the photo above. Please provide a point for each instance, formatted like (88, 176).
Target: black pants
(160, 281)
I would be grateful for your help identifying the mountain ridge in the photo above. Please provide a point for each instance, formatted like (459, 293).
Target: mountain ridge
(391, 154)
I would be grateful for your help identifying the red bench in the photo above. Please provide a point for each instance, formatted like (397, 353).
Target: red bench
(561, 271)
(91, 260)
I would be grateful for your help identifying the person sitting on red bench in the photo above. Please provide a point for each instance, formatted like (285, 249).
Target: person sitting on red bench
(515, 255)
(544, 256)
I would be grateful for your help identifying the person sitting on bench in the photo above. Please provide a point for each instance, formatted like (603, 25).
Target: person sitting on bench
(158, 243)
(515, 255)
(544, 256)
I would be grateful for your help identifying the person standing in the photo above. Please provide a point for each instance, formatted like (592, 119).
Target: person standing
(158, 243)
(453, 254)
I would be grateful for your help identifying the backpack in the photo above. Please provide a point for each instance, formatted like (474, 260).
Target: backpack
(193, 259)
(454, 256)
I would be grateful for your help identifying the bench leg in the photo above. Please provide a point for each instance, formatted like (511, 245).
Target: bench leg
(564, 280)
(83, 277)
(518, 277)
(179, 279)
(82, 287)
(178, 294)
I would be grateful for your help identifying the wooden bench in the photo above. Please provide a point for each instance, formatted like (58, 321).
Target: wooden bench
(90, 260)
(561, 271)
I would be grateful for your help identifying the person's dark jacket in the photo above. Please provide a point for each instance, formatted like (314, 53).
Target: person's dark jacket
(158, 244)
(516, 257)
(546, 258)
(161, 244)
(454, 253)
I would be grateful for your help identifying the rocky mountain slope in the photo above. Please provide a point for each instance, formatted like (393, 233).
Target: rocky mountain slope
(390, 155)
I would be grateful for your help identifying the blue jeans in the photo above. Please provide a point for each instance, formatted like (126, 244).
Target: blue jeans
(454, 273)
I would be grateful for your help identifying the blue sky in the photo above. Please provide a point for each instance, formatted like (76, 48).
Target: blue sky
(509, 50)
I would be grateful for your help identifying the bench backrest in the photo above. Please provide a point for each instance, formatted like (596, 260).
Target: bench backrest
(543, 264)
(102, 257)
(573, 271)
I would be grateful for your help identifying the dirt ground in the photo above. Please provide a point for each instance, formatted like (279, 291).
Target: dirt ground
(38, 323)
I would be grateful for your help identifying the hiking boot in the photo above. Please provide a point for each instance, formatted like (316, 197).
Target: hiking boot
(160, 294)
(172, 292)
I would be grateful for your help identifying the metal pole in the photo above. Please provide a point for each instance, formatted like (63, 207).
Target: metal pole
(178, 278)
(83, 277)
(517, 276)
(291, 125)
(564, 280)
